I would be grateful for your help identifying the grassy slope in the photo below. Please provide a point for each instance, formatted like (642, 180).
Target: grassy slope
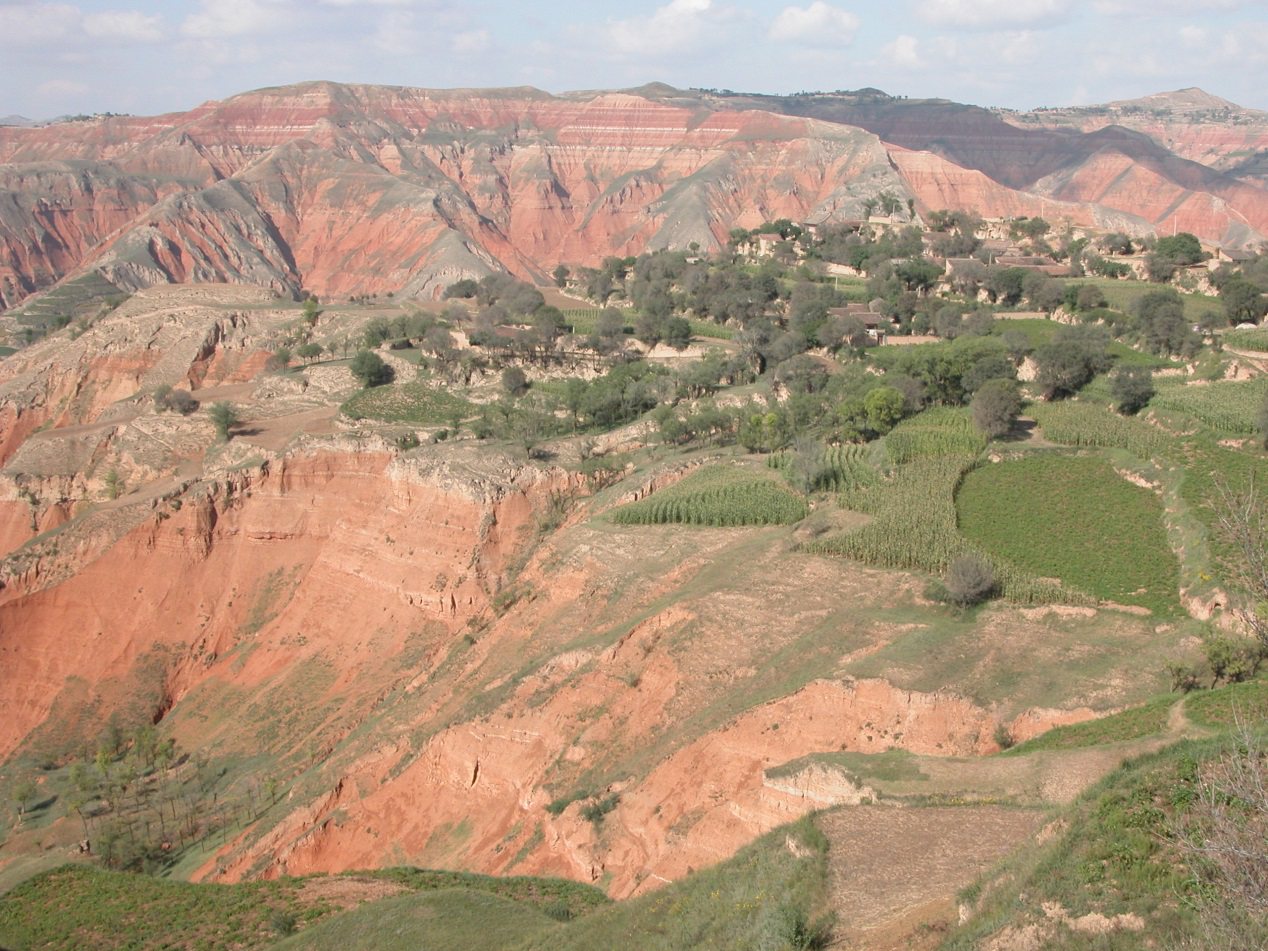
(78, 906)
(454, 919)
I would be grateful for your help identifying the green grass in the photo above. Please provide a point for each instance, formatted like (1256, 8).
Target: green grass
(1228, 406)
(78, 906)
(413, 402)
(890, 766)
(1228, 706)
(542, 893)
(1073, 518)
(756, 899)
(1122, 294)
(454, 919)
(1113, 853)
(718, 495)
(1038, 331)
(1148, 719)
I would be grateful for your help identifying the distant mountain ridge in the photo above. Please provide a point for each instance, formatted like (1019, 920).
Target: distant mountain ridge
(345, 189)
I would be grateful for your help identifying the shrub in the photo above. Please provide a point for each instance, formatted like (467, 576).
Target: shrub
(1131, 388)
(370, 369)
(969, 580)
(995, 407)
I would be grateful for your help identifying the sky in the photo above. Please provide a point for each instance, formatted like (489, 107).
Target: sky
(146, 57)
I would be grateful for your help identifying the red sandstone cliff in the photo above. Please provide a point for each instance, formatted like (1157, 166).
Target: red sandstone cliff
(366, 189)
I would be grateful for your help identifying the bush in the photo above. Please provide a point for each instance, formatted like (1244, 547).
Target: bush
(514, 381)
(995, 407)
(969, 580)
(370, 369)
(1131, 388)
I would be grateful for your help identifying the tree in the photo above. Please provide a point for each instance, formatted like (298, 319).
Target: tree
(370, 369)
(1131, 388)
(969, 580)
(23, 793)
(676, 332)
(884, 407)
(514, 381)
(1070, 359)
(995, 407)
(225, 418)
(311, 311)
(560, 275)
(309, 352)
(1244, 302)
(280, 359)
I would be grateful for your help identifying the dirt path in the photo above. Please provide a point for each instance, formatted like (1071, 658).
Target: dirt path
(274, 434)
(894, 872)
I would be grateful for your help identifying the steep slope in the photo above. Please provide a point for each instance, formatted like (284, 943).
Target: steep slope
(346, 190)
(1189, 122)
(1097, 164)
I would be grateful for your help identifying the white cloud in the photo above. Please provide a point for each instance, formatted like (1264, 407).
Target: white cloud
(992, 14)
(127, 25)
(819, 24)
(60, 88)
(34, 24)
(472, 41)
(903, 51)
(674, 28)
(1192, 7)
(223, 18)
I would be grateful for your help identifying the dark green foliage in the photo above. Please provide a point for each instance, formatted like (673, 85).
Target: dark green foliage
(225, 418)
(369, 369)
(995, 407)
(1070, 359)
(1131, 388)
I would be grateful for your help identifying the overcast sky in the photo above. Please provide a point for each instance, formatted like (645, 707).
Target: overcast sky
(146, 57)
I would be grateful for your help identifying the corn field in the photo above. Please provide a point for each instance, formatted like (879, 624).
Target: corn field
(718, 496)
(1228, 407)
(941, 431)
(1087, 424)
(838, 468)
(914, 528)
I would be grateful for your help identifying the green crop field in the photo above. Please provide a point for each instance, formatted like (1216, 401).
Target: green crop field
(407, 403)
(1254, 340)
(1087, 424)
(1122, 294)
(1073, 518)
(1229, 406)
(718, 495)
(941, 431)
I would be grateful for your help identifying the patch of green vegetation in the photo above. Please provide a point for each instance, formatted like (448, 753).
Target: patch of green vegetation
(540, 893)
(1229, 406)
(1121, 295)
(1237, 704)
(1148, 719)
(1039, 331)
(718, 495)
(455, 919)
(764, 897)
(1073, 518)
(914, 517)
(891, 766)
(413, 402)
(1253, 340)
(80, 907)
(1116, 854)
(941, 431)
